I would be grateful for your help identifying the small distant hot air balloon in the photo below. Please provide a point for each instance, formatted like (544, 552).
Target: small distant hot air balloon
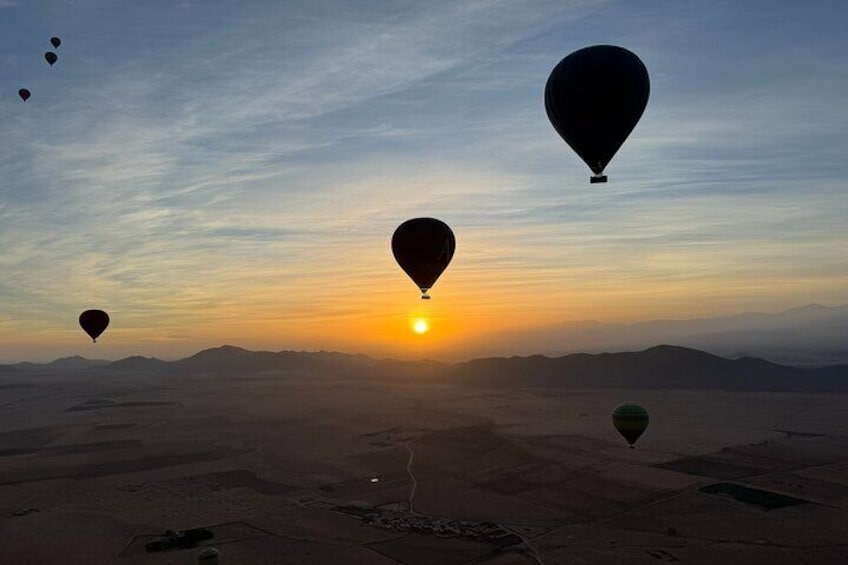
(55, 42)
(423, 247)
(594, 98)
(631, 421)
(94, 322)
(50, 57)
(24, 94)
(208, 556)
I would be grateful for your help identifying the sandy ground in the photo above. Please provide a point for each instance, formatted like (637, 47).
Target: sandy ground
(93, 468)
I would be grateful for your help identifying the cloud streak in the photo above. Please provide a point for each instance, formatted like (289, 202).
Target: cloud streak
(245, 167)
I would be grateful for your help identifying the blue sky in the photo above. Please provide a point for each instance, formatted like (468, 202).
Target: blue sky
(233, 171)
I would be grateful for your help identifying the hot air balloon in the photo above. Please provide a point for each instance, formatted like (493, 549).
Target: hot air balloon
(55, 42)
(24, 94)
(423, 247)
(50, 57)
(631, 421)
(94, 322)
(594, 98)
(207, 556)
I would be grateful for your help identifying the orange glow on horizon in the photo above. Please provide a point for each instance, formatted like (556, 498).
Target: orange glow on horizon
(473, 310)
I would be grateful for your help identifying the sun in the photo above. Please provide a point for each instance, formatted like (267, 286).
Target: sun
(420, 326)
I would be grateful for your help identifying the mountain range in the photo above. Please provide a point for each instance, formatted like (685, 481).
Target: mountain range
(812, 335)
(660, 367)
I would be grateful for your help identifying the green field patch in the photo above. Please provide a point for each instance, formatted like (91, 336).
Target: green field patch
(755, 497)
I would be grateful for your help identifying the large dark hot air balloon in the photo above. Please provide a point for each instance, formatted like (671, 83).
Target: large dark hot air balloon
(423, 247)
(594, 98)
(24, 94)
(55, 42)
(50, 57)
(94, 322)
(631, 421)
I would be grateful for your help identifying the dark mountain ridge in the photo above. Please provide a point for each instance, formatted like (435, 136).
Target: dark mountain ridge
(809, 336)
(660, 367)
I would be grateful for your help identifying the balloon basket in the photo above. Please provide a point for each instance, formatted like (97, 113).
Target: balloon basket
(597, 178)
(425, 297)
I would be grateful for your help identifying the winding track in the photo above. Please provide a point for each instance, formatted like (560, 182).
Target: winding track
(414, 486)
(529, 549)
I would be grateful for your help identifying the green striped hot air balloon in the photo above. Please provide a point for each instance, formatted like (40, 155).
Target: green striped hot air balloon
(631, 421)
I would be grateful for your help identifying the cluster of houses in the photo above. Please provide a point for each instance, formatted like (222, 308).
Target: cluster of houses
(400, 521)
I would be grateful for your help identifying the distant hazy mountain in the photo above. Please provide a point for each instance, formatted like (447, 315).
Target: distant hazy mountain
(229, 358)
(660, 367)
(811, 335)
(138, 363)
(75, 363)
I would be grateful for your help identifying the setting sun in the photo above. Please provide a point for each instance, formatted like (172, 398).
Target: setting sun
(420, 326)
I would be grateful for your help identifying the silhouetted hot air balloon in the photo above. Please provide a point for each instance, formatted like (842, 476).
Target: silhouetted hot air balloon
(423, 247)
(50, 57)
(207, 556)
(594, 98)
(94, 322)
(55, 42)
(24, 94)
(631, 421)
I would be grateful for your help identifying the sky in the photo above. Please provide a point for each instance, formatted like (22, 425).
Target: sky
(232, 171)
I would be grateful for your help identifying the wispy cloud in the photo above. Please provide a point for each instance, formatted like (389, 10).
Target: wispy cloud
(196, 169)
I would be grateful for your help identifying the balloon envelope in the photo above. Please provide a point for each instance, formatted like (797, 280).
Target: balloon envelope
(55, 42)
(594, 98)
(50, 57)
(423, 247)
(208, 556)
(94, 322)
(24, 94)
(631, 421)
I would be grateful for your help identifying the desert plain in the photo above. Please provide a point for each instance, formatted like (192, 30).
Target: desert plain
(312, 467)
